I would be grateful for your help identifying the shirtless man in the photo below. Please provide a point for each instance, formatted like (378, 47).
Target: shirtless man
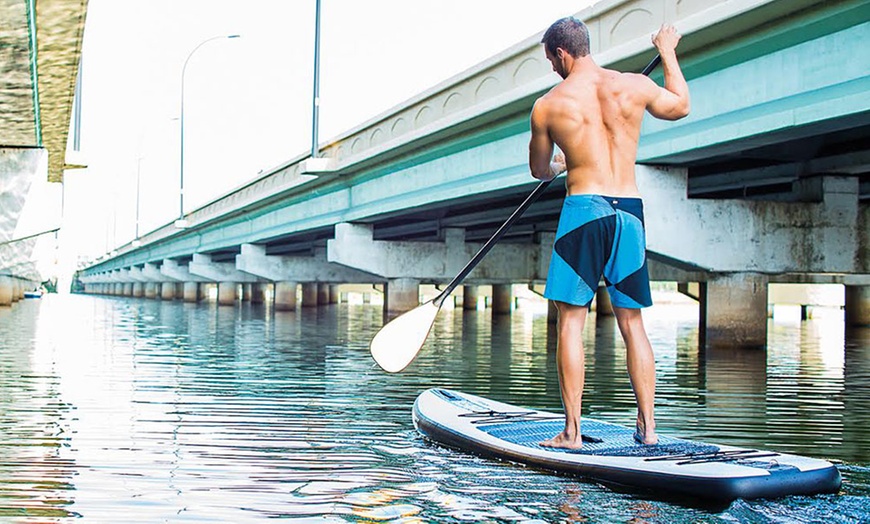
(594, 117)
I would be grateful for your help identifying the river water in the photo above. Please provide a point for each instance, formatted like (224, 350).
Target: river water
(135, 410)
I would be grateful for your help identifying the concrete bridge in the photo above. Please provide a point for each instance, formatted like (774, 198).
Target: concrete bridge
(766, 181)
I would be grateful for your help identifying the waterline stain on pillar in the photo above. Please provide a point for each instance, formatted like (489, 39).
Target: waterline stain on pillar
(285, 296)
(191, 292)
(257, 293)
(502, 296)
(227, 293)
(857, 305)
(309, 294)
(470, 294)
(402, 294)
(5, 291)
(167, 290)
(734, 311)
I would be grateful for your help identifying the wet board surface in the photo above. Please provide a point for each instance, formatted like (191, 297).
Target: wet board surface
(610, 453)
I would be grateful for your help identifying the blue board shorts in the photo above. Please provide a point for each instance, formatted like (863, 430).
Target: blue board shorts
(600, 236)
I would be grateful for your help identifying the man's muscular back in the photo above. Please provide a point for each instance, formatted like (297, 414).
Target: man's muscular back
(595, 120)
(594, 116)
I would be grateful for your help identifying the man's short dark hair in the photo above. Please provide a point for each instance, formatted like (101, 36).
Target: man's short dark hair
(568, 33)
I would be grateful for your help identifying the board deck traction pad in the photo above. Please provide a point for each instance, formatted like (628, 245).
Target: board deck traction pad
(528, 428)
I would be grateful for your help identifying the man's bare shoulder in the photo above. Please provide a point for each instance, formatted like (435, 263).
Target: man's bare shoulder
(641, 86)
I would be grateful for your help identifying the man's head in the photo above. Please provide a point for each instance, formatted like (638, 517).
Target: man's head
(567, 37)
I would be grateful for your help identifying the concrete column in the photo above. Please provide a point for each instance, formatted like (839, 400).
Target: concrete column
(734, 311)
(469, 297)
(285, 296)
(128, 289)
(257, 293)
(138, 290)
(857, 305)
(119, 289)
(333, 294)
(402, 294)
(603, 306)
(247, 292)
(227, 293)
(191, 292)
(309, 294)
(322, 294)
(502, 295)
(167, 290)
(5, 291)
(16, 290)
(150, 289)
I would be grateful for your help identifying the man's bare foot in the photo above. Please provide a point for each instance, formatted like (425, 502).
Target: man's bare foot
(563, 441)
(647, 438)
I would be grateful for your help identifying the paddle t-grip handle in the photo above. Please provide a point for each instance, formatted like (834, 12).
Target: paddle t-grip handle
(469, 267)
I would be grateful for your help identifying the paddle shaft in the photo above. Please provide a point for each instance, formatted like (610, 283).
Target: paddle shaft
(469, 267)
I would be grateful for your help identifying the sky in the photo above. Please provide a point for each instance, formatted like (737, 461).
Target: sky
(247, 100)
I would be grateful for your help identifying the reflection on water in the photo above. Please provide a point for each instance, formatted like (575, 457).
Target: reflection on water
(146, 411)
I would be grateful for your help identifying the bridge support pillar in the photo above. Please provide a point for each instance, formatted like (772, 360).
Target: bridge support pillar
(401, 295)
(247, 290)
(167, 290)
(151, 290)
(285, 296)
(603, 305)
(322, 294)
(227, 293)
(191, 292)
(138, 291)
(502, 295)
(128, 289)
(734, 311)
(257, 293)
(470, 293)
(857, 305)
(5, 291)
(310, 294)
(334, 296)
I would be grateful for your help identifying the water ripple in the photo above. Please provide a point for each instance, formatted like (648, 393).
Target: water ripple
(148, 411)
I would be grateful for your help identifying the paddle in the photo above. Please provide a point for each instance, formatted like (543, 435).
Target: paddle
(399, 341)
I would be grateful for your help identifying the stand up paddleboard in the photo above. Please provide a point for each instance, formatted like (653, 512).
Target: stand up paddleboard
(610, 453)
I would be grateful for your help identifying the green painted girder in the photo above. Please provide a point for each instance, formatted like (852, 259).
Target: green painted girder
(739, 95)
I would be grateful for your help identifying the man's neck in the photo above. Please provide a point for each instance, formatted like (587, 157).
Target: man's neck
(582, 65)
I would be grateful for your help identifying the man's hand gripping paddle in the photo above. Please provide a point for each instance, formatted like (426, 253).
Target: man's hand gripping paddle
(399, 341)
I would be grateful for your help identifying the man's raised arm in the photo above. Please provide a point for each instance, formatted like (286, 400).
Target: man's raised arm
(672, 101)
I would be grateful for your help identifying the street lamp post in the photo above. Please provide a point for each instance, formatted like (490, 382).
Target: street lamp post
(136, 241)
(181, 222)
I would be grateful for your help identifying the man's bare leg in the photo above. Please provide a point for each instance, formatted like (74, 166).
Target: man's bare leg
(641, 371)
(570, 363)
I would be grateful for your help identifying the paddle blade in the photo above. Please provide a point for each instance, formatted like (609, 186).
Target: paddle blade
(399, 341)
